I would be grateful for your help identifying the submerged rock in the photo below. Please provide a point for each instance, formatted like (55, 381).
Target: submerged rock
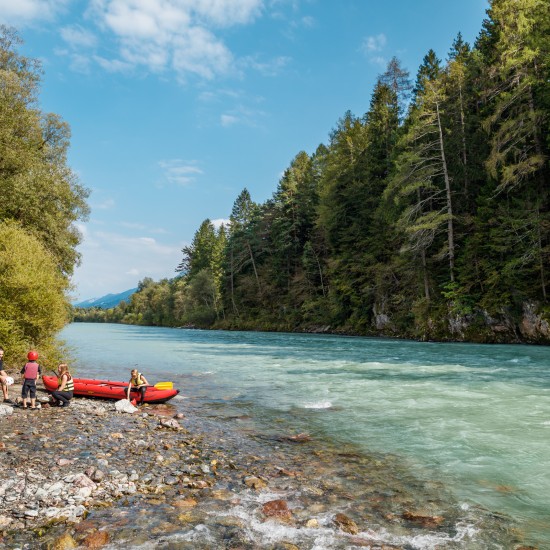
(96, 539)
(346, 524)
(277, 509)
(254, 482)
(428, 522)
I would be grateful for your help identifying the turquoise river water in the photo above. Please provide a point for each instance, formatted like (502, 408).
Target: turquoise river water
(471, 421)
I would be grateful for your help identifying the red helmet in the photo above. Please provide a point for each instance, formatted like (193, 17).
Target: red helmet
(32, 355)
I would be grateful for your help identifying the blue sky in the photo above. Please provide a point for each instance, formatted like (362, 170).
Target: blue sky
(176, 105)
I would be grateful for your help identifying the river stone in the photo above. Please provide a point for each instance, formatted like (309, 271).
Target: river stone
(428, 522)
(5, 521)
(230, 521)
(82, 480)
(277, 509)
(312, 523)
(97, 475)
(96, 539)
(5, 410)
(254, 482)
(170, 423)
(64, 542)
(346, 524)
(191, 517)
(222, 494)
(299, 438)
(185, 503)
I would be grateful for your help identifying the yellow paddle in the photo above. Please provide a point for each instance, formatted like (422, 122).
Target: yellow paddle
(164, 385)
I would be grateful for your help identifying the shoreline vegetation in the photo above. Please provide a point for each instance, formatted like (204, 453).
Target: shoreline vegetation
(89, 477)
(532, 329)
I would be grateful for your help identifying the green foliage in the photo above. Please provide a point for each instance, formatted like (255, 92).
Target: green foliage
(32, 295)
(37, 187)
(40, 201)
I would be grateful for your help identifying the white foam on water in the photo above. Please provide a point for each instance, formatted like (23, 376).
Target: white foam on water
(269, 531)
(465, 534)
(200, 534)
(318, 405)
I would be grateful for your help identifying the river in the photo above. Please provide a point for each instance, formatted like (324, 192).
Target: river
(468, 423)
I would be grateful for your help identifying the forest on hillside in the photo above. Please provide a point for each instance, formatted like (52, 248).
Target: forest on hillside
(427, 217)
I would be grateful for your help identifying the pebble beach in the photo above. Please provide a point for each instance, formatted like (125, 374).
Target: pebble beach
(88, 476)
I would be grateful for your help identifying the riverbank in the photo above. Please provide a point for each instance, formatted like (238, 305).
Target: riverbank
(65, 469)
(90, 477)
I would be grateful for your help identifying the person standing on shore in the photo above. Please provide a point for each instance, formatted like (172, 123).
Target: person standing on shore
(4, 377)
(137, 382)
(30, 372)
(65, 387)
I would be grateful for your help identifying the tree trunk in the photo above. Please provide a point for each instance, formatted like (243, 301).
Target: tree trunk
(450, 227)
(425, 273)
(463, 127)
(254, 266)
(236, 311)
(320, 271)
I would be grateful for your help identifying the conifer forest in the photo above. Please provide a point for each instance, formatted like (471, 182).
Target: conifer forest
(426, 217)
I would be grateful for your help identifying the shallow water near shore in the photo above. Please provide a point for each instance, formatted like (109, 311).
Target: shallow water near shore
(456, 431)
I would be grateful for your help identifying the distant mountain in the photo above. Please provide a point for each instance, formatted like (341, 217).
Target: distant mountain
(108, 301)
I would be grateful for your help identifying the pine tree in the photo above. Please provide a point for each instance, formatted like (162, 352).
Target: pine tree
(421, 182)
(517, 96)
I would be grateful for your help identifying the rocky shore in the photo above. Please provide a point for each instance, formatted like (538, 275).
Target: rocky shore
(89, 476)
(59, 463)
(66, 471)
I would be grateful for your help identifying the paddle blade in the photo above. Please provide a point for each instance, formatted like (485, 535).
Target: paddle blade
(164, 385)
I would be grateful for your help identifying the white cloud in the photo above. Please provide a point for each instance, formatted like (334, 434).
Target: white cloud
(266, 68)
(242, 115)
(23, 11)
(374, 43)
(199, 52)
(113, 65)
(76, 36)
(220, 221)
(179, 172)
(372, 46)
(112, 262)
(228, 120)
(174, 35)
(219, 95)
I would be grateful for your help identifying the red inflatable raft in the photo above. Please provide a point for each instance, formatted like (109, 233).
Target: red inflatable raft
(109, 389)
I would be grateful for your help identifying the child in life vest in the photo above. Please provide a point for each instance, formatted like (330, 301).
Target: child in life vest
(65, 387)
(138, 382)
(30, 372)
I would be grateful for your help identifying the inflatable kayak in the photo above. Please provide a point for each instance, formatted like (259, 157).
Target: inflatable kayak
(110, 389)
